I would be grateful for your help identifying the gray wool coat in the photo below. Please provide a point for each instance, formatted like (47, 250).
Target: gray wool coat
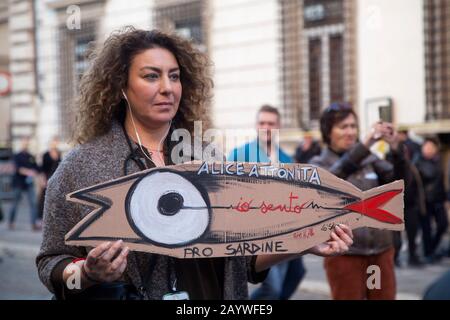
(95, 162)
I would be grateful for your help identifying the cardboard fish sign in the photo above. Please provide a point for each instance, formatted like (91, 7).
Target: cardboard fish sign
(230, 209)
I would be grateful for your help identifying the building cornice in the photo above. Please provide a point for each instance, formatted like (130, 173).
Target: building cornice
(429, 127)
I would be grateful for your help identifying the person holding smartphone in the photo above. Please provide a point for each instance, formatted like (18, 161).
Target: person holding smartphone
(350, 159)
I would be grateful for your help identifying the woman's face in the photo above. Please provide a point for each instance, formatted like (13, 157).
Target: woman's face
(154, 87)
(429, 150)
(344, 134)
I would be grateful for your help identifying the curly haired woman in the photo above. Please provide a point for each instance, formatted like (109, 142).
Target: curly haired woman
(141, 86)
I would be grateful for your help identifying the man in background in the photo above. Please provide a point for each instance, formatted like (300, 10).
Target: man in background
(24, 182)
(283, 279)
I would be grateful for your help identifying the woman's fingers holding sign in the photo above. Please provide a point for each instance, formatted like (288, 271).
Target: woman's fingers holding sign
(106, 262)
(120, 263)
(345, 234)
(341, 239)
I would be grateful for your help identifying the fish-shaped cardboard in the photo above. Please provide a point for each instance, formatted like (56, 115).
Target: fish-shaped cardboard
(230, 209)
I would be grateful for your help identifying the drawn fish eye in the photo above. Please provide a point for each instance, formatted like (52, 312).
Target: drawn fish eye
(170, 203)
(166, 209)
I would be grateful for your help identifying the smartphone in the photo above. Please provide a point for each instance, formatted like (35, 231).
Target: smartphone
(385, 113)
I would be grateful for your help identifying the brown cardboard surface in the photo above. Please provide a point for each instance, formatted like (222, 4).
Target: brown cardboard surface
(229, 209)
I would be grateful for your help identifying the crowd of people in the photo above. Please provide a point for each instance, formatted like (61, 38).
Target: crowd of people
(345, 156)
(140, 87)
(426, 198)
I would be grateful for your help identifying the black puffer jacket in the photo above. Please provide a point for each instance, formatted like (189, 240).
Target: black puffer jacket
(365, 171)
(432, 178)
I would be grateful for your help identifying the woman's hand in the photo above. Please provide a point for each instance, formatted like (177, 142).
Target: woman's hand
(390, 135)
(339, 243)
(382, 130)
(106, 262)
(373, 135)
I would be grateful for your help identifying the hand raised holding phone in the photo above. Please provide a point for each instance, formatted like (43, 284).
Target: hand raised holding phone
(382, 131)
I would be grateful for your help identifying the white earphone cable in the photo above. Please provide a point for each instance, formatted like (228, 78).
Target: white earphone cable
(137, 134)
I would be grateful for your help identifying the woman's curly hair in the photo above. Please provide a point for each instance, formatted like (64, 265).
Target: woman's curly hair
(100, 97)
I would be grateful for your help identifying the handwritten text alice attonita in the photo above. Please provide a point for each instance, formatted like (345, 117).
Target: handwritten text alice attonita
(299, 173)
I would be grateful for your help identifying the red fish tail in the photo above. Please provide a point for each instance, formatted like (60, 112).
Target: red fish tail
(370, 206)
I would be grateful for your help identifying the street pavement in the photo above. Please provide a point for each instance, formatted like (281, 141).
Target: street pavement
(19, 279)
(18, 250)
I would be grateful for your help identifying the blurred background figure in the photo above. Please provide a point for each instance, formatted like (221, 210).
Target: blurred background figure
(435, 222)
(262, 149)
(284, 278)
(439, 289)
(24, 182)
(412, 147)
(307, 149)
(414, 201)
(415, 210)
(50, 161)
(353, 161)
(7, 171)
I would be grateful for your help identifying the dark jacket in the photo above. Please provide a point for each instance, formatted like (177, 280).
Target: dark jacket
(49, 164)
(303, 156)
(365, 171)
(98, 161)
(412, 148)
(432, 178)
(24, 159)
(414, 192)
